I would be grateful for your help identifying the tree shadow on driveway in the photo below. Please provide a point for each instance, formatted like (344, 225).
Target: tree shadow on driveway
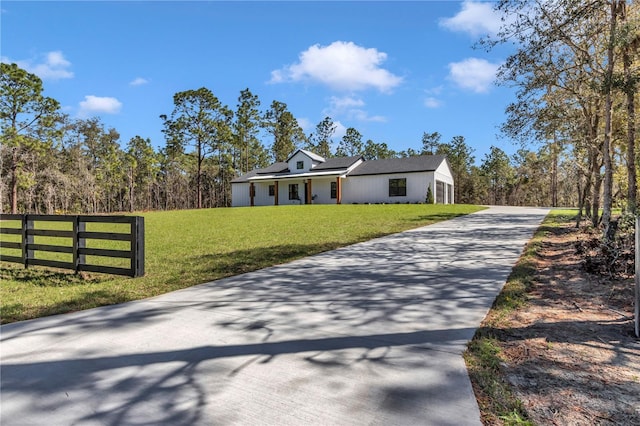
(372, 332)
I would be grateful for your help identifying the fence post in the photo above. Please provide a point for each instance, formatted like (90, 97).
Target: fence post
(27, 238)
(637, 279)
(78, 259)
(137, 246)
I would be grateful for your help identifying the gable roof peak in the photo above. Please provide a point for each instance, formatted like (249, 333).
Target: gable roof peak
(313, 156)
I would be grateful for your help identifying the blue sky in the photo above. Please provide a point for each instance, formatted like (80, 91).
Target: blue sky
(392, 70)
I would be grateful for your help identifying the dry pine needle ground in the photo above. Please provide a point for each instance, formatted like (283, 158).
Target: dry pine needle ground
(569, 354)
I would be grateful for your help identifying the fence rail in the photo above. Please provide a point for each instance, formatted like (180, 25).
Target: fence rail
(78, 237)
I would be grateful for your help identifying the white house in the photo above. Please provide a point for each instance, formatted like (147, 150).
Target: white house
(307, 178)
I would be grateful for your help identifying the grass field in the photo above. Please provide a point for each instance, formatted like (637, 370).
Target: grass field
(189, 247)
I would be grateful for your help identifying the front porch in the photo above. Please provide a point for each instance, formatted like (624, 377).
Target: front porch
(287, 191)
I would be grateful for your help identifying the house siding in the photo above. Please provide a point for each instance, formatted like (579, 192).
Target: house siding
(321, 188)
(443, 174)
(262, 197)
(293, 161)
(240, 194)
(375, 189)
(283, 191)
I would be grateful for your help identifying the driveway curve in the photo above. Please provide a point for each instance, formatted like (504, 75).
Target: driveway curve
(369, 334)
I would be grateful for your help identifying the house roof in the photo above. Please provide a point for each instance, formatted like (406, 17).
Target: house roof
(280, 167)
(337, 163)
(245, 177)
(422, 163)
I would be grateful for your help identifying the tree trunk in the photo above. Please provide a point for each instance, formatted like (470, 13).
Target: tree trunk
(131, 192)
(595, 203)
(14, 181)
(580, 203)
(631, 153)
(607, 194)
(199, 178)
(596, 185)
(631, 122)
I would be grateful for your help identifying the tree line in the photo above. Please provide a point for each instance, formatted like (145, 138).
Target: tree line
(52, 163)
(575, 70)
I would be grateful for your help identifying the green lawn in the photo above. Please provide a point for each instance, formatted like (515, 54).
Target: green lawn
(189, 247)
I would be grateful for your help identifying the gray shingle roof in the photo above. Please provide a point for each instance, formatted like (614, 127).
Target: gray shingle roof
(337, 163)
(423, 163)
(275, 168)
(245, 177)
(280, 167)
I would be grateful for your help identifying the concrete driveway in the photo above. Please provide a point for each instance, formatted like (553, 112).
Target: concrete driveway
(371, 334)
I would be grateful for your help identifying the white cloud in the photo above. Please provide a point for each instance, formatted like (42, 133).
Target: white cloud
(361, 115)
(473, 74)
(305, 124)
(431, 102)
(342, 66)
(475, 18)
(345, 103)
(138, 81)
(53, 66)
(98, 104)
(350, 108)
(432, 97)
(341, 130)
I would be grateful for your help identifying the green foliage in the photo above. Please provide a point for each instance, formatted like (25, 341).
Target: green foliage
(28, 123)
(283, 126)
(430, 143)
(377, 151)
(351, 144)
(189, 247)
(461, 159)
(251, 153)
(496, 166)
(201, 121)
(26, 116)
(320, 142)
(429, 198)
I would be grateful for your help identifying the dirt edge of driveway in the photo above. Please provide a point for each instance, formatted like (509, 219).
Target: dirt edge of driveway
(558, 347)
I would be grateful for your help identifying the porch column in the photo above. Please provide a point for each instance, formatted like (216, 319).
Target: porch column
(275, 201)
(252, 193)
(338, 190)
(307, 194)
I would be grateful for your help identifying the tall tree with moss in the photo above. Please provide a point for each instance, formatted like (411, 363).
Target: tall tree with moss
(199, 120)
(28, 121)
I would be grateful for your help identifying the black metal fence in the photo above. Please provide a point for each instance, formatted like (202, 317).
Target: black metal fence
(78, 237)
